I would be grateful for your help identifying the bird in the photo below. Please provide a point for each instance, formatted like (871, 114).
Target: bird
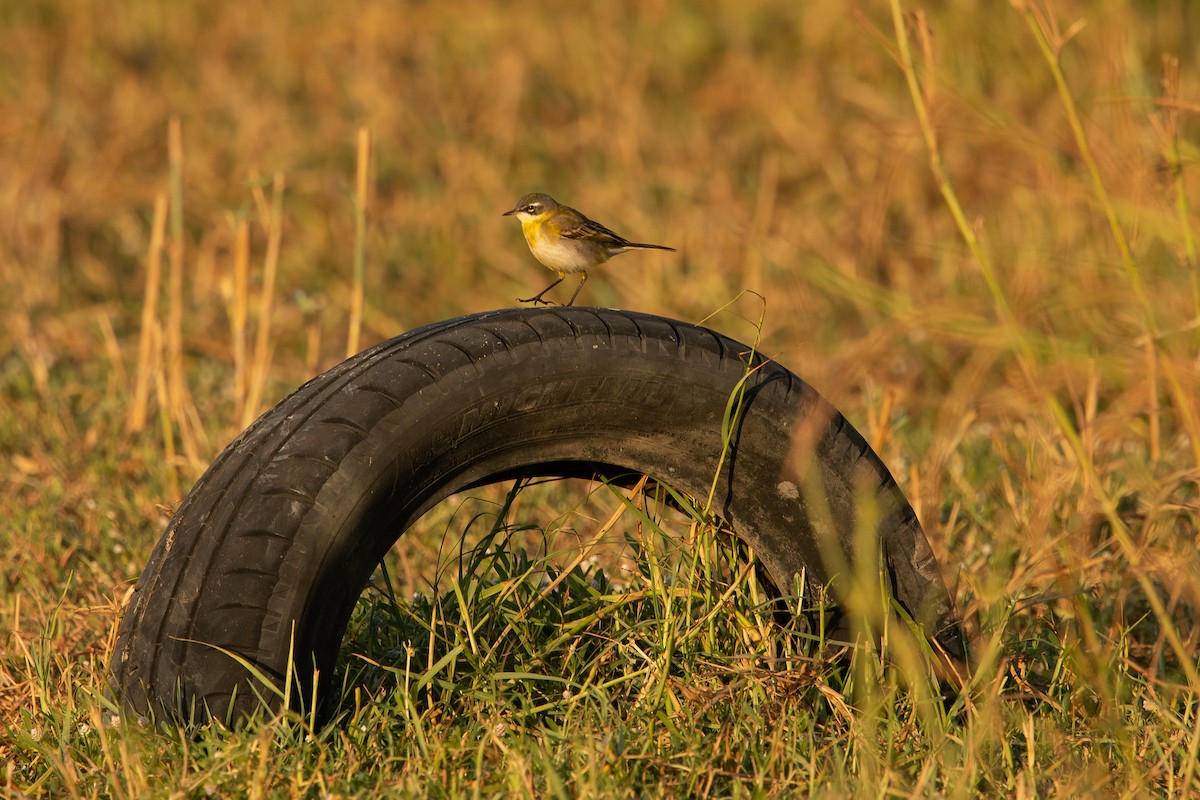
(566, 241)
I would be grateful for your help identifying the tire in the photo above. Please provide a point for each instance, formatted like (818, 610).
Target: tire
(264, 560)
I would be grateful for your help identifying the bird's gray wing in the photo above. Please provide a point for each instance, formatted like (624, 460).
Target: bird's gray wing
(583, 228)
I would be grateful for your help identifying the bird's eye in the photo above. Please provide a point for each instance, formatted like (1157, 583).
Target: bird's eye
(532, 208)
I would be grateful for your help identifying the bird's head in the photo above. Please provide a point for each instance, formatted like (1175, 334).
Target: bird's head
(532, 206)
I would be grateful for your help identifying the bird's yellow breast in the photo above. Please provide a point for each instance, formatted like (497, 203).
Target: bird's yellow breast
(563, 255)
(538, 229)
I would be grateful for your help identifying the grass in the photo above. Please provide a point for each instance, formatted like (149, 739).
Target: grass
(974, 230)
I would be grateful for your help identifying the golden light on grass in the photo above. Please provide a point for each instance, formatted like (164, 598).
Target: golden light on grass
(974, 230)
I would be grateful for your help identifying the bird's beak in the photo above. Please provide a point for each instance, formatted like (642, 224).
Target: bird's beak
(509, 213)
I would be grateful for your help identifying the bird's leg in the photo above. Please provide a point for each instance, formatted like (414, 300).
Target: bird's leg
(537, 298)
(582, 281)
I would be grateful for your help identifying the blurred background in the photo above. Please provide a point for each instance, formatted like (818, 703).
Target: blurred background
(775, 144)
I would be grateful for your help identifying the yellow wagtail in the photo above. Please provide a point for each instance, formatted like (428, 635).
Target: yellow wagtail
(566, 241)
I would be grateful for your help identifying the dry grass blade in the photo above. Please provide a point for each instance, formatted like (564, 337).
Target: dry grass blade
(144, 375)
(261, 365)
(361, 199)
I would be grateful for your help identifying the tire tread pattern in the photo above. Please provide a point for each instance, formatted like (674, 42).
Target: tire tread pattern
(221, 564)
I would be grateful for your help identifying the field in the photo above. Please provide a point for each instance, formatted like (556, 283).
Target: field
(973, 230)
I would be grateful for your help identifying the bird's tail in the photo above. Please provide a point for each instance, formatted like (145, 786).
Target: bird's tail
(643, 246)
